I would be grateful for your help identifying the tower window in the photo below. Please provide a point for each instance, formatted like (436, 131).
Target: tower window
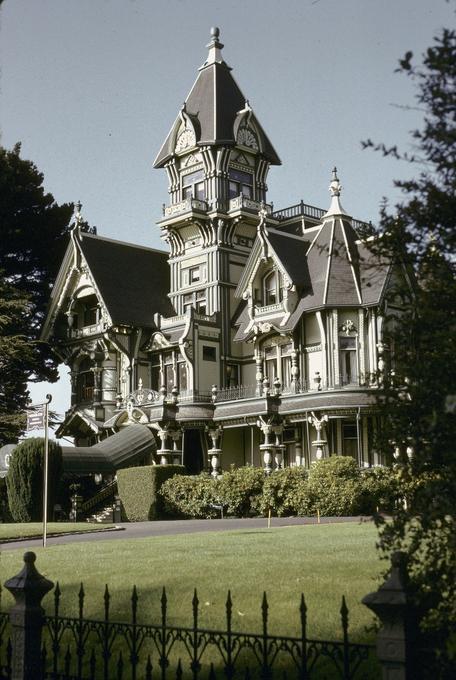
(240, 183)
(193, 185)
(209, 353)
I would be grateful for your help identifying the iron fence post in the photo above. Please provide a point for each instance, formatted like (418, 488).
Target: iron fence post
(27, 619)
(397, 637)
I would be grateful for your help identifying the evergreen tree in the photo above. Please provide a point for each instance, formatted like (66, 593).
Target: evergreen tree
(418, 397)
(32, 243)
(25, 479)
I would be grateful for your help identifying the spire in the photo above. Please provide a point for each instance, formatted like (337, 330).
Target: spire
(215, 50)
(335, 189)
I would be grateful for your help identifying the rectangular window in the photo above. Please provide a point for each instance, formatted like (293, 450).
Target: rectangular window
(182, 374)
(194, 274)
(232, 375)
(169, 378)
(193, 185)
(350, 437)
(155, 378)
(240, 183)
(209, 353)
(286, 371)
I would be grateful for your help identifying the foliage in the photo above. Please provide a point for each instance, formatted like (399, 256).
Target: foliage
(139, 490)
(284, 493)
(25, 479)
(380, 490)
(15, 350)
(193, 496)
(239, 490)
(32, 231)
(418, 398)
(333, 486)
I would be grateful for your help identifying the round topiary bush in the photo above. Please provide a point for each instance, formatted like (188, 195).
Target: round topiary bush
(25, 479)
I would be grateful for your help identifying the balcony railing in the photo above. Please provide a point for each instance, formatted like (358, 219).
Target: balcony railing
(195, 396)
(173, 321)
(235, 393)
(299, 210)
(85, 331)
(188, 205)
(244, 203)
(269, 309)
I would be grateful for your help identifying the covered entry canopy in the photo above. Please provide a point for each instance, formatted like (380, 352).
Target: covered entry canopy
(120, 450)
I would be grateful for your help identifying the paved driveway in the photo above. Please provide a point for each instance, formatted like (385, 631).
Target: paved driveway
(173, 527)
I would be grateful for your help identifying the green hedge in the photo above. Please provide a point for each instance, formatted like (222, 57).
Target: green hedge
(138, 490)
(193, 496)
(24, 480)
(333, 486)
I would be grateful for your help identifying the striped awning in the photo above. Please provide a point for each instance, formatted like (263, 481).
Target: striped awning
(120, 450)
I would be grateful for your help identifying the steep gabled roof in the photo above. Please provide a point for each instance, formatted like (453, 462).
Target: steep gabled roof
(291, 251)
(132, 280)
(213, 105)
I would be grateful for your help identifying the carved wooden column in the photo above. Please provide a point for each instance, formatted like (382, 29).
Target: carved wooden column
(259, 373)
(214, 453)
(278, 447)
(267, 447)
(164, 453)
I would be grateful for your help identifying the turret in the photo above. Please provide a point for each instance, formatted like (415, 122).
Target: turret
(216, 149)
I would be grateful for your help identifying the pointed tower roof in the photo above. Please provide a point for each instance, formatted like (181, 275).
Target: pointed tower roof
(214, 109)
(333, 255)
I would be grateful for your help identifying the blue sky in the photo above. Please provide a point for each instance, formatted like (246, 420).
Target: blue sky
(91, 88)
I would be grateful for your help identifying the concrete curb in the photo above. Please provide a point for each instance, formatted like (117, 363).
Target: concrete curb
(34, 537)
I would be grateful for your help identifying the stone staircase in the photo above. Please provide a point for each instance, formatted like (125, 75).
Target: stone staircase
(99, 508)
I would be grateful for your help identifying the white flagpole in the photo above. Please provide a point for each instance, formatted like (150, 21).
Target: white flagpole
(46, 466)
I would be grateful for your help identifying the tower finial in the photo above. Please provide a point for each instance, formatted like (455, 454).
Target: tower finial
(215, 49)
(77, 213)
(335, 189)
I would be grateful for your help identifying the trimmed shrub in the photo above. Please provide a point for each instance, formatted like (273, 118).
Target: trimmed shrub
(25, 479)
(284, 492)
(334, 486)
(240, 490)
(139, 489)
(193, 496)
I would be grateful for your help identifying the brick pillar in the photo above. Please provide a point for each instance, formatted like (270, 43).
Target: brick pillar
(27, 619)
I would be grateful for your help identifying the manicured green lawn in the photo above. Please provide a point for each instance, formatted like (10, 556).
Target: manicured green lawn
(322, 561)
(35, 529)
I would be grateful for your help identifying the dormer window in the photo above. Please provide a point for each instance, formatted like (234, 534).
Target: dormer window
(193, 186)
(241, 183)
(272, 291)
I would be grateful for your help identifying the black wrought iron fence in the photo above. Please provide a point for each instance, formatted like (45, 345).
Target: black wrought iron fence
(39, 646)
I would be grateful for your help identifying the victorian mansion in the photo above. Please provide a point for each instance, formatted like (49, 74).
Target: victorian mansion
(254, 338)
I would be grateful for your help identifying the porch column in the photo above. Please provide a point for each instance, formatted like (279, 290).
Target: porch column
(278, 447)
(176, 437)
(268, 447)
(318, 424)
(214, 452)
(163, 452)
